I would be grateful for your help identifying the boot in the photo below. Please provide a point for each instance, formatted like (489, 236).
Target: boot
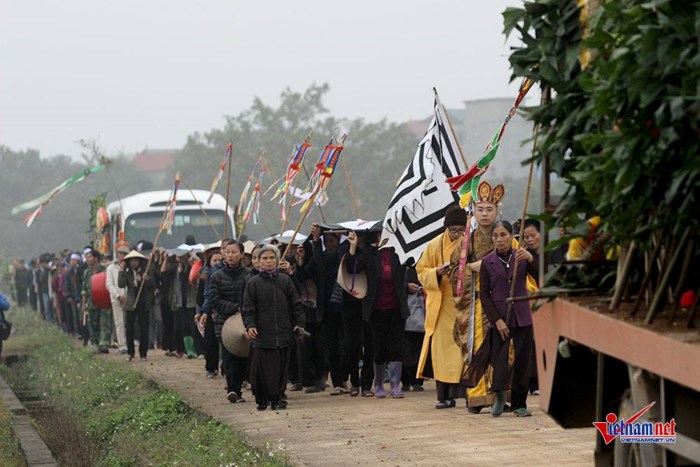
(395, 380)
(189, 347)
(379, 390)
(497, 407)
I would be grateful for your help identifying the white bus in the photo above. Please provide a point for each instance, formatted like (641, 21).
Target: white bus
(140, 216)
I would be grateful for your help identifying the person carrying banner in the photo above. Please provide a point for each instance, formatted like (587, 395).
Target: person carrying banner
(470, 320)
(440, 357)
(131, 276)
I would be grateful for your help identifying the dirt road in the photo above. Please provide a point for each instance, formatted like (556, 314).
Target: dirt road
(318, 429)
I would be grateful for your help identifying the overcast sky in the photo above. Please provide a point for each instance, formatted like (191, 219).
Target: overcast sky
(136, 74)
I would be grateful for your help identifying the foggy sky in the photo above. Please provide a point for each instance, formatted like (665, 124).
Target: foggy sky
(137, 74)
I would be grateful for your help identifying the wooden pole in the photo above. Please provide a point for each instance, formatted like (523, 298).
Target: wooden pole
(682, 277)
(449, 122)
(348, 180)
(661, 289)
(320, 209)
(228, 192)
(206, 216)
(524, 212)
(155, 245)
(647, 278)
(624, 276)
(267, 163)
(301, 222)
(285, 222)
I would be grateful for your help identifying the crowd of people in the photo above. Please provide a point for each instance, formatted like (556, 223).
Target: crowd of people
(337, 313)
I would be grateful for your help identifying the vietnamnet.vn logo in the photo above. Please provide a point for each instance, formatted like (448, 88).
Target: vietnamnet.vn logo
(632, 431)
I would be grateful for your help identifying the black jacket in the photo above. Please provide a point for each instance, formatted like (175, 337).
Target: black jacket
(227, 287)
(125, 279)
(369, 259)
(323, 270)
(272, 306)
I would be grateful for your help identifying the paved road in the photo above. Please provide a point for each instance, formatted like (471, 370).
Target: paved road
(318, 429)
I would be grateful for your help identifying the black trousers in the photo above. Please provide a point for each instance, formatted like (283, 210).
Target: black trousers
(446, 391)
(33, 299)
(269, 372)
(387, 332)
(412, 345)
(143, 318)
(333, 334)
(181, 328)
(21, 296)
(296, 362)
(168, 323)
(211, 347)
(357, 345)
(314, 355)
(234, 369)
(522, 342)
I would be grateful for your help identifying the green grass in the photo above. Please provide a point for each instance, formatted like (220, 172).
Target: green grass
(10, 451)
(134, 421)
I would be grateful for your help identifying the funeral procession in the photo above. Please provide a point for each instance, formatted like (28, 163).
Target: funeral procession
(401, 233)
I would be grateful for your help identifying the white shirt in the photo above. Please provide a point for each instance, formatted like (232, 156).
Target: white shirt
(112, 281)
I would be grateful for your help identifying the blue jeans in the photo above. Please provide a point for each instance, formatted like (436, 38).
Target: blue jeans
(48, 307)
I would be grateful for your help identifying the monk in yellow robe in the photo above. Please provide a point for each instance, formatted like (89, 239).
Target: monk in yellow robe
(440, 356)
(471, 323)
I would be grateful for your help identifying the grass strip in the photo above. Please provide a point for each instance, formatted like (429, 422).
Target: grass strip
(10, 450)
(126, 419)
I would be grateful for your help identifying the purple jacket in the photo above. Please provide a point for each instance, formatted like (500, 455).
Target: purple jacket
(495, 281)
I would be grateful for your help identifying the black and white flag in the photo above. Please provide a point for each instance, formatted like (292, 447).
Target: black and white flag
(417, 208)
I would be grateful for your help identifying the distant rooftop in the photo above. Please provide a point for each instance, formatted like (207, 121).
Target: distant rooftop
(154, 160)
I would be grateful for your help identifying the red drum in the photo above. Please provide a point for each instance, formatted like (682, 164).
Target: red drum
(100, 294)
(194, 272)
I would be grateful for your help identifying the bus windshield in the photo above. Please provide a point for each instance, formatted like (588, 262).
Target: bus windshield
(144, 226)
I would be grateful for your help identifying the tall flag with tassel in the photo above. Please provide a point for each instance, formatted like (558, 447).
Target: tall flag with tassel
(293, 168)
(253, 207)
(246, 188)
(220, 174)
(40, 202)
(170, 216)
(324, 170)
(468, 183)
(417, 208)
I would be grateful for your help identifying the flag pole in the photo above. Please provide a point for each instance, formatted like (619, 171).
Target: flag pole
(269, 167)
(310, 204)
(348, 180)
(285, 222)
(206, 216)
(155, 245)
(228, 191)
(524, 213)
(320, 209)
(449, 122)
(301, 222)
